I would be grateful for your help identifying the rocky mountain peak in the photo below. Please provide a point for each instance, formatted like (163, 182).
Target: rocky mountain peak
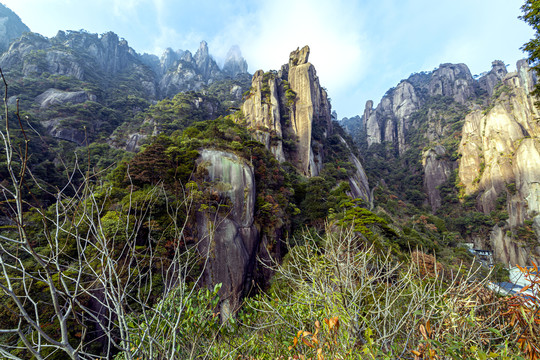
(299, 56)
(202, 53)
(205, 63)
(527, 77)
(11, 27)
(453, 80)
(169, 59)
(489, 81)
(187, 56)
(290, 113)
(234, 62)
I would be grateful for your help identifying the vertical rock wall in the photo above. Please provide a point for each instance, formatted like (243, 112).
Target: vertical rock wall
(500, 151)
(302, 101)
(228, 239)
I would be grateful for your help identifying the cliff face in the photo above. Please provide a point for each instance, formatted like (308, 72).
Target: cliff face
(290, 113)
(229, 241)
(76, 67)
(287, 105)
(189, 72)
(80, 55)
(494, 77)
(391, 120)
(500, 157)
(235, 64)
(453, 80)
(426, 111)
(437, 170)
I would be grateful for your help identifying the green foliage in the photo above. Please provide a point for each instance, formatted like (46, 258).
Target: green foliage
(182, 325)
(335, 290)
(530, 10)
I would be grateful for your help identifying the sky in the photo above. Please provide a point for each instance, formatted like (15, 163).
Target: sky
(360, 48)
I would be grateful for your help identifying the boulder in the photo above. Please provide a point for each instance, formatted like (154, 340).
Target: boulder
(53, 97)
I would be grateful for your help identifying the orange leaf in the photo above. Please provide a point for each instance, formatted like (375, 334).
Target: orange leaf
(307, 342)
(423, 331)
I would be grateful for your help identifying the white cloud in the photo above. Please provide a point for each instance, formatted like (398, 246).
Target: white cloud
(333, 30)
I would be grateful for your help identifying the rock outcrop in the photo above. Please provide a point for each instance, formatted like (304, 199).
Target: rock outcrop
(262, 112)
(228, 239)
(500, 151)
(80, 55)
(288, 105)
(434, 103)
(290, 113)
(310, 109)
(390, 121)
(453, 80)
(53, 97)
(74, 61)
(189, 72)
(437, 170)
(494, 77)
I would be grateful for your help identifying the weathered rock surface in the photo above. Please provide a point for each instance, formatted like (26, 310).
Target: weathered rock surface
(454, 80)
(390, 121)
(229, 239)
(57, 128)
(188, 72)
(296, 95)
(290, 113)
(358, 183)
(501, 150)
(311, 108)
(494, 77)
(437, 170)
(262, 112)
(58, 97)
(11, 27)
(77, 54)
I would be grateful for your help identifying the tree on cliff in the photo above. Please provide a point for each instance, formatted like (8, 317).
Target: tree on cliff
(103, 270)
(531, 15)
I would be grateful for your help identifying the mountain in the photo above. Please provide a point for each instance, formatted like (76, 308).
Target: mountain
(471, 144)
(290, 113)
(11, 27)
(500, 157)
(223, 213)
(77, 69)
(234, 62)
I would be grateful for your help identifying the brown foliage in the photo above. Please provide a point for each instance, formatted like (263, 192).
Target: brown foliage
(426, 264)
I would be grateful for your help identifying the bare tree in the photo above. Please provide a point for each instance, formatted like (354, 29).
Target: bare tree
(91, 281)
(381, 303)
